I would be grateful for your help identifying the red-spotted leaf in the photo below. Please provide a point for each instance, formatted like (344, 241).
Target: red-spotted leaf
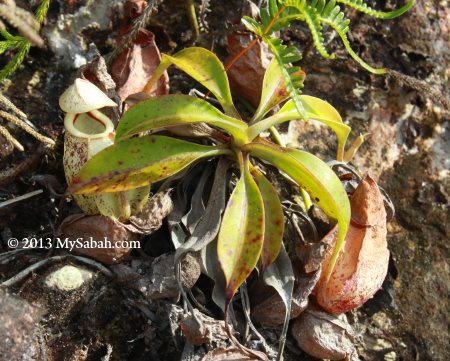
(170, 110)
(137, 162)
(205, 67)
(312, 174)
(273, 219)
(314, 108)
(241, 234)
(274, 90)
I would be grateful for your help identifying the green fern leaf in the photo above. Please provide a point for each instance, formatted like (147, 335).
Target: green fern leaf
(360, 5)
(19, 43)
(42, 11)
(253, 26)
(15, 62)
(332, 15)
(312, 20)
(285, 55)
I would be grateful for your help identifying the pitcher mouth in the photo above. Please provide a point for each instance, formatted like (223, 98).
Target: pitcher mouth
(92, 125)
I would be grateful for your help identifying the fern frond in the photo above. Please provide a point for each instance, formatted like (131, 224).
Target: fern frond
(42, 10)
(17, 59)
(253, 26)
(332, 15)
(285, 56)
(360, 5)
(21, 44)
(274, 17)
(314, 25)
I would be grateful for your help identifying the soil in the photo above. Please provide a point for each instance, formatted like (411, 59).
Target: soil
(407, 152)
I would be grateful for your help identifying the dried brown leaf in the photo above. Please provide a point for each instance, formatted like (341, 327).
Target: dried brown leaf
(132, 68)
(247, 74)
(362, 264)
(207, 331)
(97, 230)
(271, 312)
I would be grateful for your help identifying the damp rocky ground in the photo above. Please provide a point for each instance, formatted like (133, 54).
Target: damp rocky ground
(132, 311)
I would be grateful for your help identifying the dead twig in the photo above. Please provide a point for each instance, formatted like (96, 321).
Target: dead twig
(14, 115)
(138, 24)
(430, 92)
(23, 21)
(9, 174)
(20, 198)
(27, 271)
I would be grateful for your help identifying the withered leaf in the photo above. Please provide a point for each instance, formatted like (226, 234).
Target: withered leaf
(97, 230)
(305, 283)
(362, 265)
(135, 65)
(247, 74)
(207, 331)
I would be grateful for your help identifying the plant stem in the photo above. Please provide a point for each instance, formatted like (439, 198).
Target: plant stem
(254, 41)
(277, 138)
(193, 18)
(306, 199)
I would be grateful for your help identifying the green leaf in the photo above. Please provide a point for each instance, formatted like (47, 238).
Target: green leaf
(315, 108)
(324, 112)
(169, 110)
(274, 90)
(252, 25)
(284, 56)
(205, 67)
(138, 162)
(242, 233)
(316, 178)
(273, 220)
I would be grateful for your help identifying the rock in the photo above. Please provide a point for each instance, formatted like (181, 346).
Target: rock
(18, 321)
(163, 281)
(324, 336)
